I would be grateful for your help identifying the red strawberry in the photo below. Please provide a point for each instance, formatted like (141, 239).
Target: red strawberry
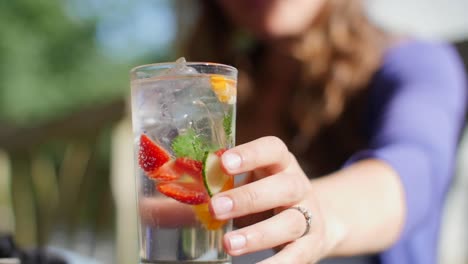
(190, 167)
(150, 155)
(185, 192)
(175, 169)
(167, 172)
(220, 152)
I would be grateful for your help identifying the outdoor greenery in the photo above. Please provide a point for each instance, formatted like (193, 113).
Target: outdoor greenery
(63, 84)
(51, 63)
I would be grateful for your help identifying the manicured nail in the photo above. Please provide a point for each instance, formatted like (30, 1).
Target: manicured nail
(237, 242)
(231, 161)
(221, 205)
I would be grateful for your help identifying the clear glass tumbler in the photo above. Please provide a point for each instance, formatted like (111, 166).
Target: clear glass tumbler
(183, 117)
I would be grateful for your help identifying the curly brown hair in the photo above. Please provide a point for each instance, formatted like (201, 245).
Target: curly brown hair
(338, 56)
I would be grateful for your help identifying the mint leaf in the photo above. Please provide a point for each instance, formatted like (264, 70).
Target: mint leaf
(188, 145)
(227, 124)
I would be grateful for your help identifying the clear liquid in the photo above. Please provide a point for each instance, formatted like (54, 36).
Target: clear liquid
(169, 231)
(163, 109)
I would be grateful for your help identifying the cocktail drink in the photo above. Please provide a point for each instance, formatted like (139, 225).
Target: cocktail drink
(183, 117)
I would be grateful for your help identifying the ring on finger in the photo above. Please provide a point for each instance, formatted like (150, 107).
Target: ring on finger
(307, 216)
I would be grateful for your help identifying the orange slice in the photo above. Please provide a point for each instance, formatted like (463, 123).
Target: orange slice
(224, 88)
(203, 215)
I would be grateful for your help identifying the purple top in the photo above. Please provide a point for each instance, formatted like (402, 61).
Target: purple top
(415, 116)
(413, 122)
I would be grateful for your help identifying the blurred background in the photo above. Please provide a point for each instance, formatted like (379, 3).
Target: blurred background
(66, 180)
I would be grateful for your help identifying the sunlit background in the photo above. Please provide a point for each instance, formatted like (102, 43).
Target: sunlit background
(65, 143)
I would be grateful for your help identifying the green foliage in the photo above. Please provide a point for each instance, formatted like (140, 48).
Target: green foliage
(50, 64)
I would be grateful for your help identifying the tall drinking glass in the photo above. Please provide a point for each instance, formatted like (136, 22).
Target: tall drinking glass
(183, 117)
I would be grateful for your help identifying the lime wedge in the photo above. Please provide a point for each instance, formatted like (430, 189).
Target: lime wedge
(214, 177)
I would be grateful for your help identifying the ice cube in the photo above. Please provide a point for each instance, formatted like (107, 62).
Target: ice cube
(180, 68)
(164, 106)
(193, 101)
(151, 101)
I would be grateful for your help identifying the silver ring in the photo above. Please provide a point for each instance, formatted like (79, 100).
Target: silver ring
(307, 215)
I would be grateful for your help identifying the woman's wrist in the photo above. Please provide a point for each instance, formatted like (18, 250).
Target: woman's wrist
(356, 206)
(334, 230)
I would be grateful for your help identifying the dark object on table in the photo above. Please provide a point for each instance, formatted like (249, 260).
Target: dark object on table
(9, 249)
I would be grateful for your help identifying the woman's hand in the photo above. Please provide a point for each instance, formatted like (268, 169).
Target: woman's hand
(276, 183)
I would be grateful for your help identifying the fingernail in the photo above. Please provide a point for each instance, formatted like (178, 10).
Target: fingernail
(237, 242)
(222, 205)
(231, 161)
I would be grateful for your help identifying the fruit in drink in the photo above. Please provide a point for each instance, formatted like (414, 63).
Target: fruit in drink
(151, 156)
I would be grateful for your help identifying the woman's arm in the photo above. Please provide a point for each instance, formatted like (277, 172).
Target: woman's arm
(385, 193)
(363, 207)
(398, 184)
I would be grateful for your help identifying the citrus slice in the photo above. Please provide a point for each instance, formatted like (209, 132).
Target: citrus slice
(224, 88)
(214, 177)
(202, 212)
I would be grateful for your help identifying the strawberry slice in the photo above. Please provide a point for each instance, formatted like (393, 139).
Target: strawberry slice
(190, 167)
(167, 172)
(179, 168)
(151, 156)
(220, 152)
(184, 192)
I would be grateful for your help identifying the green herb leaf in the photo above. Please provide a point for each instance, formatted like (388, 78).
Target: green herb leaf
(227, 124)
(189, 145)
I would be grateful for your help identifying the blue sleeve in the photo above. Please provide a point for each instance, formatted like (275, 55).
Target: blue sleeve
(416, 113)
